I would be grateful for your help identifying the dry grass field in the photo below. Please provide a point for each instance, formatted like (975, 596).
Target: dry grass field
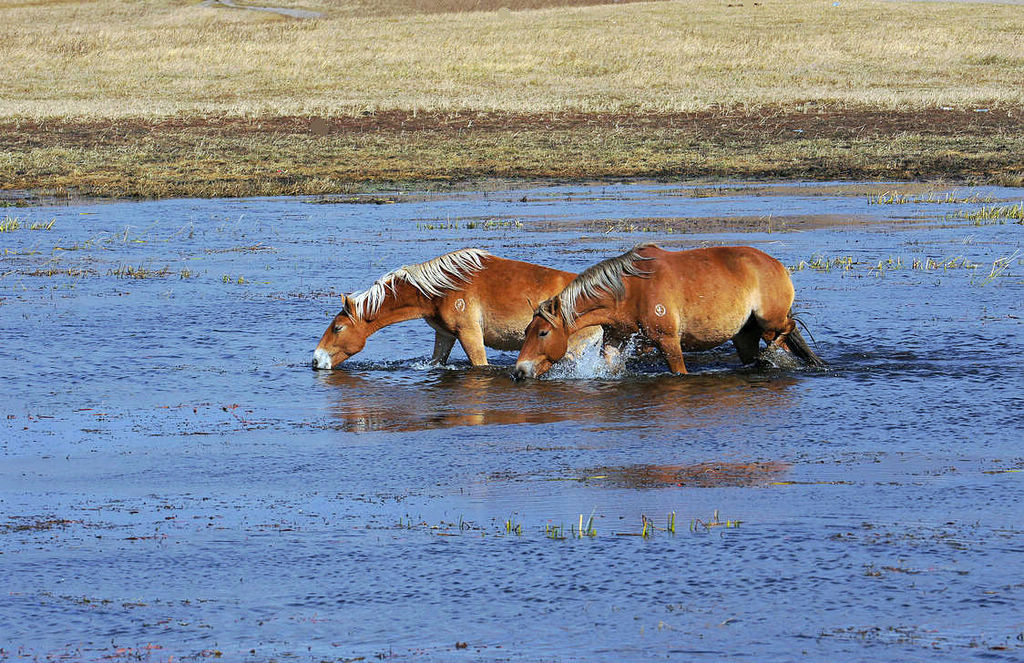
(171, 97)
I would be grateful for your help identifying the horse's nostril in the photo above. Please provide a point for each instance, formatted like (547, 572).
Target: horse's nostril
(522, 370)
(321, 359)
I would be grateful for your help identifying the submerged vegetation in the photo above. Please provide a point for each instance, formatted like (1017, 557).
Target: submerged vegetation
(947, 198)
(993, 214)
(470, 224)
(12, 223)
(140, 272)
(583, 528)
(848, 264)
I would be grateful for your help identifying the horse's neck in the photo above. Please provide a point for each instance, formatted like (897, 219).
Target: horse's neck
(594, 311)
(402, 303)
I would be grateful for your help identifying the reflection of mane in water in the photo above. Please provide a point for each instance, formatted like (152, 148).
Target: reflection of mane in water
(445, 398)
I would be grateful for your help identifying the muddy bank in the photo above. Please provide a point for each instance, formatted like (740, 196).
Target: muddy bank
(207, 156)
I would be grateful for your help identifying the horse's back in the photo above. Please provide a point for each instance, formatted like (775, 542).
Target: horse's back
(501, 299)
(505, 282)
(714, 259)
(715, 286)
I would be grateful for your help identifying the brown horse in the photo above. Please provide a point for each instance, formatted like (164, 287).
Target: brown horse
(679, 300)
(469, 295)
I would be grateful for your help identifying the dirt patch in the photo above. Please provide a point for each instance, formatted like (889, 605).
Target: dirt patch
(766, 124)
(702, 475)
(225, 156)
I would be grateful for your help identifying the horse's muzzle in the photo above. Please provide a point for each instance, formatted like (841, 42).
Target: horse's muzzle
(523, 369)
(321, 359)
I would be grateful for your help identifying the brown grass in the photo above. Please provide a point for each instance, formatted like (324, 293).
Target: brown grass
(165, 57)
(228, 156)
(172, 98)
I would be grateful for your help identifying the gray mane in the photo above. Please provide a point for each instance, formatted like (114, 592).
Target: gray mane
(605, 276)
(431, 278)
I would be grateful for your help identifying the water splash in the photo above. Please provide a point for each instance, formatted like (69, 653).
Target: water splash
(593, 364)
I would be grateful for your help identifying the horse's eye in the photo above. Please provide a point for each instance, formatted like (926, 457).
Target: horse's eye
(339, 328)
(543, 333)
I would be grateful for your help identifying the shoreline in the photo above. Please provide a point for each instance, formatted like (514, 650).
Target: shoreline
(230, 156)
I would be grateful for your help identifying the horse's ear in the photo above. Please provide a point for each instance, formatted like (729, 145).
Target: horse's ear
(530, 302)
(348, 307)
(555, 305)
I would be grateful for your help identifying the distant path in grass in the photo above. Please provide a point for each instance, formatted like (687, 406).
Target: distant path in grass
(970, 2)
(284, 11)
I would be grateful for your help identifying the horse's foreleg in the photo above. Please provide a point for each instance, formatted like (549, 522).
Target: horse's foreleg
(443, 344)
(673, 351)
(472, 341)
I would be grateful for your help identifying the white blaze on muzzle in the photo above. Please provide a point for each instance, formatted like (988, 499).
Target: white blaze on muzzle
(526, 368)
(321, 359)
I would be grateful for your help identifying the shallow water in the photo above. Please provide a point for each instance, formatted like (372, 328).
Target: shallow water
(176, 481)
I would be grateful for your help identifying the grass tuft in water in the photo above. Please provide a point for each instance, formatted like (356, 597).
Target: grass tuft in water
(513, 526)
(11, 223)
(822, 263)
(76, 272)
(992, 214)
(586, 529)
(949, 198)
(130, 272)
(697, 524)
(555, 532)
(1000, 266)
(490, 224)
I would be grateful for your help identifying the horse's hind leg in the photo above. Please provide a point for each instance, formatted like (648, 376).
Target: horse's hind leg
(775, 335)
(792, 341)
(443, 344)
(799, 348)
(748, 341)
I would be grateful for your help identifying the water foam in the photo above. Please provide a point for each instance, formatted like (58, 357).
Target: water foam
(592, 364)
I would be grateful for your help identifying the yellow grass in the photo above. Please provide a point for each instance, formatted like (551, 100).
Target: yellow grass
(111, 58)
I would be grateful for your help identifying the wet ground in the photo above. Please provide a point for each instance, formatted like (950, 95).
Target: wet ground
(177, 482)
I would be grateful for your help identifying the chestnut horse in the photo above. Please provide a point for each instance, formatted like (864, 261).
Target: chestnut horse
(679, 300)
(469, 295)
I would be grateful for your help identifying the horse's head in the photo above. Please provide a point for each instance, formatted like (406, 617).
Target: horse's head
(345, 336)
(547, 339)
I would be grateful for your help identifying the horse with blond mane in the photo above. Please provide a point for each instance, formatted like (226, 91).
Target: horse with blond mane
(678, 300)
(468, 295)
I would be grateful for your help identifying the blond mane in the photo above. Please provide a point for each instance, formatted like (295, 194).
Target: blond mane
(431, 278)
(606, 276)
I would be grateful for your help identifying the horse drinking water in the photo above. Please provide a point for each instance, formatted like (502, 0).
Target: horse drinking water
(678, 300)
(468, 295)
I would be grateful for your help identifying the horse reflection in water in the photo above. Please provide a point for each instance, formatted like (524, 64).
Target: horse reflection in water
(469, 295)
(443, 399)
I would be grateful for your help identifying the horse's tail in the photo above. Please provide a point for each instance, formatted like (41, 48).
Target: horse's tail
(799, 347)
